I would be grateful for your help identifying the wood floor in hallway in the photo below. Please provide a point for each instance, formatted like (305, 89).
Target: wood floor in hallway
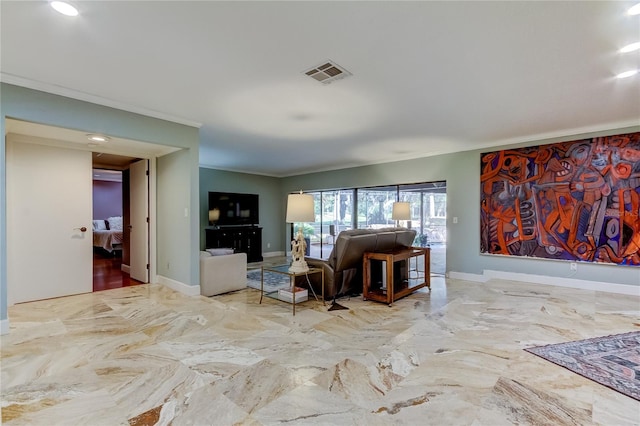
(108, 274)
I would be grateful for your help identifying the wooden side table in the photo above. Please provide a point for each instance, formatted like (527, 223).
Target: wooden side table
(389, 276)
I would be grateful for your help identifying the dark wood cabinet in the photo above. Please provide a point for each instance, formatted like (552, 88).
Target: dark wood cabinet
(242, 239)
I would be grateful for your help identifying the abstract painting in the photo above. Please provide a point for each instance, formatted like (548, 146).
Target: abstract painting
(575, 201)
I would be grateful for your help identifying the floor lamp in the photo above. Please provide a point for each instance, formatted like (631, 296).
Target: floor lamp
(300, 209)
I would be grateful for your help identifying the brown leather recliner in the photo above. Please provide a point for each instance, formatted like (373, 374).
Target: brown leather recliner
(343, 267)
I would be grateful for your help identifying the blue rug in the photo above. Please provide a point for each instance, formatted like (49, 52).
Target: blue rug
(612, 361)
(272, 281)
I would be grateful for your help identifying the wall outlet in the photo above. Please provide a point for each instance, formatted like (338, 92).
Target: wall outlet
(455, 219)
(574, 267)
(268, 245)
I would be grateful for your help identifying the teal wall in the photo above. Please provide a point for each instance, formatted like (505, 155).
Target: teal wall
(461, 171)
(39, 107)
(271, 209)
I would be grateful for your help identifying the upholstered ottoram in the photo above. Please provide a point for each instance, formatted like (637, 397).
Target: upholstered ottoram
(222, 274)
(343, 267)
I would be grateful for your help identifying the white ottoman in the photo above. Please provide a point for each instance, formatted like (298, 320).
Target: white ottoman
(221, 274)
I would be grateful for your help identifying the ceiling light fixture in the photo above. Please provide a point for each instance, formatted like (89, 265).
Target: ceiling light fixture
(627, 74)
(630, 47)
(65, 8)
(98, 138)
(634, 10)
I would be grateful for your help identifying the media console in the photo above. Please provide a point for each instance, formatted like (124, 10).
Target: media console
(242, 239)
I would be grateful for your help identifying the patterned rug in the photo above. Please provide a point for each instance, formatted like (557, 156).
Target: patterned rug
(272, 281)
(613, 361)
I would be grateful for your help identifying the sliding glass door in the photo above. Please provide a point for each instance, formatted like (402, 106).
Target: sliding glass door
(371, 208)
(334, 214)
(429, 218)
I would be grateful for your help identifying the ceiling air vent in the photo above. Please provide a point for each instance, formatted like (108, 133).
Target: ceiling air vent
(327, 72)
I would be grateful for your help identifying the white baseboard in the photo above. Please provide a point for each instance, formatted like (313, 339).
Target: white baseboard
(467, 277)
(273, 254)
(488, 274)
(4, 326)
(125, 268)
(189, 290)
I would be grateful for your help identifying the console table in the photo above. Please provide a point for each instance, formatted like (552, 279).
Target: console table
(388, 276)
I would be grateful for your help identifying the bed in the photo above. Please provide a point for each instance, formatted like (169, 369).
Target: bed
(107, 233)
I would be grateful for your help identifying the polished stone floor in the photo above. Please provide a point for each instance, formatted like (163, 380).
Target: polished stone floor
(453, 356)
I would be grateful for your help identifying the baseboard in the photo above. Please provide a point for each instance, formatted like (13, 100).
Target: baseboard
(125, 268)
(488, 274)
(467, 277)
(273, 254)
(4, 326)
(189, 290)
(630, 290)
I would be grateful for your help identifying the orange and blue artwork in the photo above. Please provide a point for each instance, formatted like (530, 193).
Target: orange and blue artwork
(576, 201)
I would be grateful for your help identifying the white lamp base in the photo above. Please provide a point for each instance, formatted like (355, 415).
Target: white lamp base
(299, 266)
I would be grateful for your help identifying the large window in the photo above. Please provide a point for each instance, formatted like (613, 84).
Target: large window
(428, 211)
(371, 208)
(375, 206)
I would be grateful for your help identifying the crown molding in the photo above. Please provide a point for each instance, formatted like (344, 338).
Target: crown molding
(81, 96)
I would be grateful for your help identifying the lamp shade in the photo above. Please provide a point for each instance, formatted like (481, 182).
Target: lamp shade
(401, 211)
(300, 208)
(214, 215)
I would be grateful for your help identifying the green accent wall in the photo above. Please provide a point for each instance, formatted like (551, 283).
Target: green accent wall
(270, 198)
(461, 171)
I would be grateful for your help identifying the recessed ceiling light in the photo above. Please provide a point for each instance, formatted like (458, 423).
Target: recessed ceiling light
(98, 138)
(634, 10)
(630, 47)
(64, 8)
(627, 74)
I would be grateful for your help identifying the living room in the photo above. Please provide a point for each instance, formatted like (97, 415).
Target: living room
(467, 334)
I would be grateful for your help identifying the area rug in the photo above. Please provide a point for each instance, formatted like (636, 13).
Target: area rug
(272, 281)
(613, 361)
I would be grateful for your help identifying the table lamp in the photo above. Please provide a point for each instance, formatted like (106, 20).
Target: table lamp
(300, 209)
(401, 211)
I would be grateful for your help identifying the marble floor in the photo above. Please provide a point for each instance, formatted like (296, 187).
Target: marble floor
(453, 356)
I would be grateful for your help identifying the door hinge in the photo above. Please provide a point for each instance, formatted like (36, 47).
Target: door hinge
(146, 172)
(147, 220)
(147, 266)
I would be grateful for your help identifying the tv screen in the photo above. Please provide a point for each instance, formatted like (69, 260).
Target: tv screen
(227, 208)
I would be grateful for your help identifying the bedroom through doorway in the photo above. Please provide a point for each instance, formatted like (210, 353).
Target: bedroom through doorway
(110, 220)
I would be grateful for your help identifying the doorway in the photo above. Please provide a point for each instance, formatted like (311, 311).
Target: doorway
(111, 216)
(64, 256)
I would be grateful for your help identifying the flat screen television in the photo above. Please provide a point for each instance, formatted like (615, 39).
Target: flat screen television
(233, 209)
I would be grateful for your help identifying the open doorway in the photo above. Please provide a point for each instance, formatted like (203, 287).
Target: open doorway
(49, 208)
(110, 199)
(116, 179)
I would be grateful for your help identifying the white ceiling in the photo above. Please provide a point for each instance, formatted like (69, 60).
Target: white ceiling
(428, 77)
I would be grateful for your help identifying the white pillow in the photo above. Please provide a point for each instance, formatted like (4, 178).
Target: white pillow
(220, 251)
(115, 223)
(99, 225)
